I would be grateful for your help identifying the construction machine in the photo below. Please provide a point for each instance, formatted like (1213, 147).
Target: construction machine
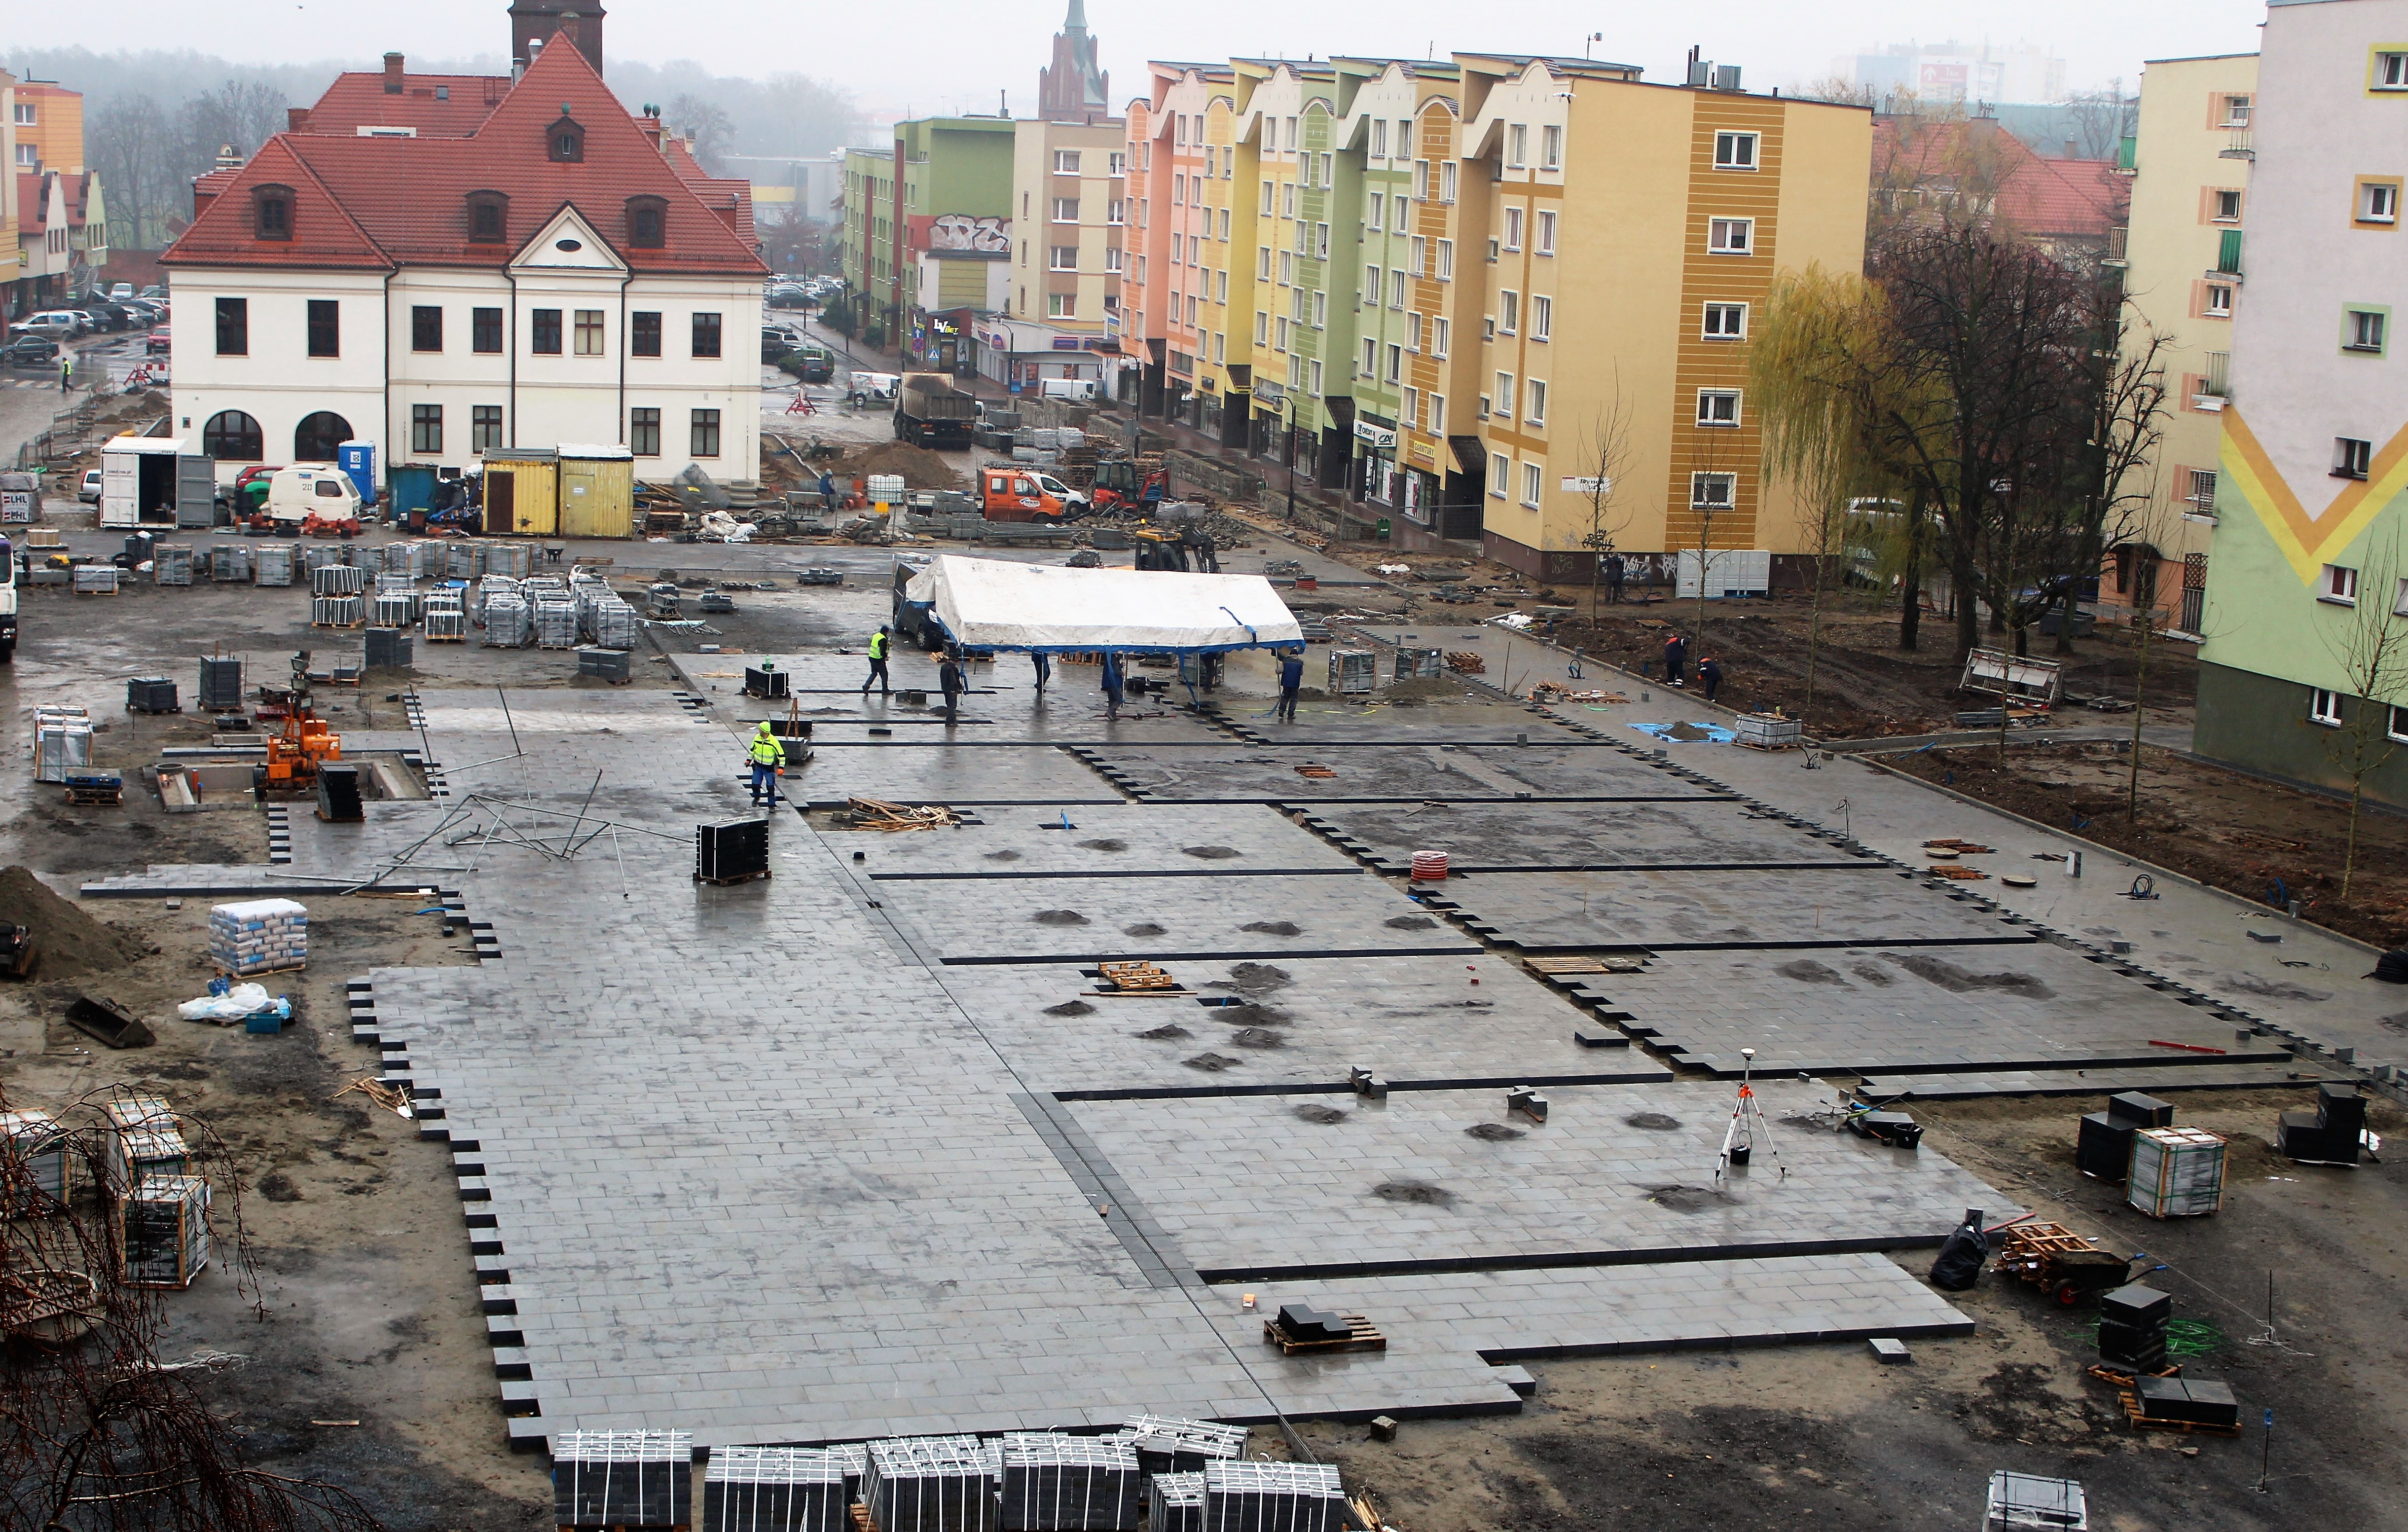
(305, 743)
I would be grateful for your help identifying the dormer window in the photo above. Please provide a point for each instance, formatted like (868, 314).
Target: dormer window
(271, 212)
(566, 140)
(489, 217)
(648, 221)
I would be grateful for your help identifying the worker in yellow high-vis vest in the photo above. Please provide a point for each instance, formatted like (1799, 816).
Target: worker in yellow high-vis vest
(768, 756)
(877, 663)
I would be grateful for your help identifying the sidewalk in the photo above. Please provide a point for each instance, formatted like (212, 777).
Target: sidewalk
(2189, 931)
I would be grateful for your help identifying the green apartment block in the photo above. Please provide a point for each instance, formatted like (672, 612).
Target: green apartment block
(929, 233)
(1308, 215)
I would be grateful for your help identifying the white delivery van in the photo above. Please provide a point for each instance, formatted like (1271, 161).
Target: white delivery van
(304, 490)
(1076, 390)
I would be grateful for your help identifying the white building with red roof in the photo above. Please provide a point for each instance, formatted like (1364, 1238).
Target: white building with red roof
(447, 266)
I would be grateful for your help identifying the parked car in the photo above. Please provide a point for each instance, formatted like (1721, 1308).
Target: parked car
(119, 291)
(89, 492)
(90, 320)
(155, 291)
(157, 343)
(30, 350)
(51, 324)
(775, 344)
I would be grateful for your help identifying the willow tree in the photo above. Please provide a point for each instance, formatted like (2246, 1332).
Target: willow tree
(1817, 365)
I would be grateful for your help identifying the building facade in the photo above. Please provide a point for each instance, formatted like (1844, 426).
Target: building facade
(555, 270)
(947, 215)
(1167, 286)
(1063, 316)
(2189, 206)
(867, 261)
(53, 217)
(1632, 231)
(1305, 217)
(2308, 568)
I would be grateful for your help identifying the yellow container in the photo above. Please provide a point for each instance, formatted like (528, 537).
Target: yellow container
(523, 492)
(598, 492)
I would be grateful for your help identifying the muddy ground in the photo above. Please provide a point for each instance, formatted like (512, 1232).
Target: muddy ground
(2233, 832)
(1825, 1437)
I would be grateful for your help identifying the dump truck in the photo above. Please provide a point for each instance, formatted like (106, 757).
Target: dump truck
(930, 412)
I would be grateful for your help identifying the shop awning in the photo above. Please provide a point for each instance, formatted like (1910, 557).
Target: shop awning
(997, 604)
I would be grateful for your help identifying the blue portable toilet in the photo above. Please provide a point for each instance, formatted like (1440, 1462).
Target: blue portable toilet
(357, 459)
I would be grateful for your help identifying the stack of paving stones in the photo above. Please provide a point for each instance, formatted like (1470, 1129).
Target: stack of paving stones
(1182, 1446)
(932, 1484)
(775, 1489)
(1262, 1497)
(1175, 1502)
(1063, 1484)
(622, 1479)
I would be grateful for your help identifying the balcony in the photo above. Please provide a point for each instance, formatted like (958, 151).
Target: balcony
(2214, 387)
(2118, 241)
(2239, 144)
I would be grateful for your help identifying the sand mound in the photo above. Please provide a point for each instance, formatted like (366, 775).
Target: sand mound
(921, 469)
(72, 943)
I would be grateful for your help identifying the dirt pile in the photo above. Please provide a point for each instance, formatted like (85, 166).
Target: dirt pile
(71, 943)
(921, 469)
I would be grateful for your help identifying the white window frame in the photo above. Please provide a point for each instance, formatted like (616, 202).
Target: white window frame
(1418, 260)
(2391, 71)
(1375, 206)
(1737, 151)
(1266, 199)
(2379, 202)
(1545, 242)
(1500, 403)
(1113, 259)
(1379, 138)
(1718, 407)
(1441, 330)
(1288, 268)
(1513, 228)
(1727, 236)
(1517, 145)
(1262, 328)
(1404, 139)
(2220, 216)
(1409, 414)
(1371, 363)
(1314, 385)
(1320, 310)
(2353, 458)
(1116, 165)
(1533, 484)
(1723, 311)
(1542, 317)
(1446, 181)
(1414, 332)
(1550, 146)
(2324, 707)
(1279, 333)
(1701, 484)
(1437, 414)
(2219, 301)
(1061, 306)
(1395, 372)
(1262, 262)
(1066, 210)
(2396, 724)
(1501, 475)
(1534, 410)
(2202, 498)
(1397, 288)
(1508, 312)
(1061, 257)
(2369, 328)
(1065, 162)
(2339, 586)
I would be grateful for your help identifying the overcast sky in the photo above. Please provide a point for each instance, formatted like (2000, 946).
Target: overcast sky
(952, 55)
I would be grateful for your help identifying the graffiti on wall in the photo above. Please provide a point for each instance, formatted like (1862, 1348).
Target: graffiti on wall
(962, 231)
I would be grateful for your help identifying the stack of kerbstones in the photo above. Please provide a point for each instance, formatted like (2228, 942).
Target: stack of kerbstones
(775, 1489)
(622, 1479)
(1175, 1503)
(1174, 1454)
(1063, 1484)
(259, 936)
(932, 1484)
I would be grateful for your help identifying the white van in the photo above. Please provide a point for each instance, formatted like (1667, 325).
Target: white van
(1076, 390)
(307, 490)
(51, 324)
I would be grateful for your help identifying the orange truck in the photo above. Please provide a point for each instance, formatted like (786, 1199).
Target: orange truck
(1016, 492)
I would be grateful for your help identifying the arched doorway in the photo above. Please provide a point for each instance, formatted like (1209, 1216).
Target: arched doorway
(315, 439)
(233, 436)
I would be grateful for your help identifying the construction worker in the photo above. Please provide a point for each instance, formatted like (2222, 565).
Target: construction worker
(1291, 682)
(67, 370)
(1710, 676)
(1615, 572)
(1044, 664)
(952, 682)
(1115, 687)
(768, 756)
(1676, 660)
(877, 663)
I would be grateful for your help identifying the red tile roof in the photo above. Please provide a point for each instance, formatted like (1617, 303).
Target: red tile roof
(381, 202)
(359, 100)
(2043, 198)
(33, 203)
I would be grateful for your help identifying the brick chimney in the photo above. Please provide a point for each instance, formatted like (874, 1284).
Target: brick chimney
(392, 77)
(296, 119)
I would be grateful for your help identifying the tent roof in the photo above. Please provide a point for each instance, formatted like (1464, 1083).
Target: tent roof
(995, 604)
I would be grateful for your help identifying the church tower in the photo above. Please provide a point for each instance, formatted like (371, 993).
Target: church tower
(1073, 89)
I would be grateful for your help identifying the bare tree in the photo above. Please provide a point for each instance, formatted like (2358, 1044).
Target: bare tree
(708, 125)
(1605, 454)
(2370, 647)
(99, 1431)
(2103, 120)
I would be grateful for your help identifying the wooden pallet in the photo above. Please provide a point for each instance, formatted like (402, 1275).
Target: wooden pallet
(1316, 771)
(1136, 977)
(729, 882)
(2131, 1403)
(1365, 1337)
(103, 796)
(1585, 964)
(1956, 874)
(2122, 1378)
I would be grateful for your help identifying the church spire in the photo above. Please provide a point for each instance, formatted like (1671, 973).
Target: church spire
(1078, 17)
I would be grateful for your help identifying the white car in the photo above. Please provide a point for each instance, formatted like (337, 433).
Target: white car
(122, 292)
(89, 492)
(60, 324)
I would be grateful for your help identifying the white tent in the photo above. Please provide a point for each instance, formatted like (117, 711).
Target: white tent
(995, 604)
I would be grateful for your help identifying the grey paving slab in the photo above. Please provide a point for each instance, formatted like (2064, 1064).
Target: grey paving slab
(1102, 840)
(1532, 837)
(1396, 772)
(2104, 1083)
(1473, 717)
(1513, 1315)
(1004, 920)
(1929, 1010)
(1684, 908)
(1617, 1173)
(964, 775)
(1296, 1025)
